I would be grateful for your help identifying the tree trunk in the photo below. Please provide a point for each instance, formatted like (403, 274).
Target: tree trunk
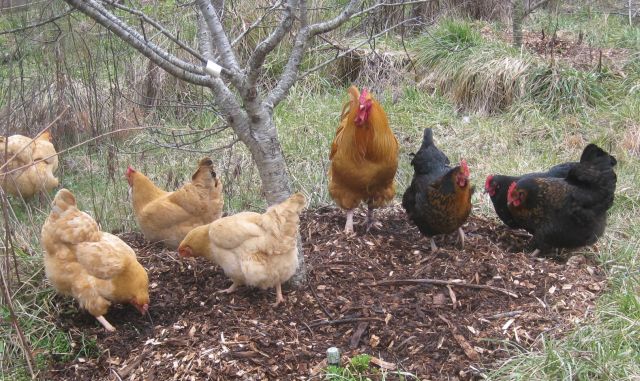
(266, 152)
(261, 137)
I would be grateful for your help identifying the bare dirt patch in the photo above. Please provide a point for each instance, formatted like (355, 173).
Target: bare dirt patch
(432, 331)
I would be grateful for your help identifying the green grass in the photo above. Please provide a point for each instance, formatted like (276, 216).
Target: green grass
(359, 368)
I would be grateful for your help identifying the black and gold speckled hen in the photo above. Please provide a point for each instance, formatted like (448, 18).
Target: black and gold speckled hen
(498, 185)
(438, 200)
(566, 212)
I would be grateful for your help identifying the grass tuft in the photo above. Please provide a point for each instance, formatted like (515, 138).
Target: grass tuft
(488, 77)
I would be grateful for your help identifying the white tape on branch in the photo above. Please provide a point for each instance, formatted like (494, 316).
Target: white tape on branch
(213, 69)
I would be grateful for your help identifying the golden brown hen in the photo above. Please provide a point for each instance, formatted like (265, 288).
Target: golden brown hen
(94, 267)
(168, 216)
(253, 249)
(35, 161)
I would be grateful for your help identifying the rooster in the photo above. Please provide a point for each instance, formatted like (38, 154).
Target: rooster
(498, 185)
(364, 157)
(438, 200)
(566, 212)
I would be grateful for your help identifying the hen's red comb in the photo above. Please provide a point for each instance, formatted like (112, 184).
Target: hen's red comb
(510, 198)
(130, 170)
(487, 183)
(465, 168)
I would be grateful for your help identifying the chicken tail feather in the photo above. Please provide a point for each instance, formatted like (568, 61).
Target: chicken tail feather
(286, 216)
(205, 169)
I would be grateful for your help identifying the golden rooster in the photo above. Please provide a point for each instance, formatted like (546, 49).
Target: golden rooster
(364, 157)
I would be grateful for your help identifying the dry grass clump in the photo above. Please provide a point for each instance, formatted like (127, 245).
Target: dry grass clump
(631, 140)
(488, 77)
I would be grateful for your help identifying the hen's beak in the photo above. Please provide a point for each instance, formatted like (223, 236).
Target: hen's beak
(141, 308)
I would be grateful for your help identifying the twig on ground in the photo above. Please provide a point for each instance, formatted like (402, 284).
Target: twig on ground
(464, 344)
(343, 321)
(440, 282)
(322, 306)
(357, 335)
(505, 314)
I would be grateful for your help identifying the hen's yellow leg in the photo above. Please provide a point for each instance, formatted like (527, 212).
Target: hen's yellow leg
(229, 290)
(105, 323)
(279, 297)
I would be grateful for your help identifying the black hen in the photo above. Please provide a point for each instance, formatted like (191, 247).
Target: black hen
(438, 200)
(498, 185)
(569, 212)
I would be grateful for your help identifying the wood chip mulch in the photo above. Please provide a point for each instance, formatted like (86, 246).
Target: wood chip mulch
(495, 298)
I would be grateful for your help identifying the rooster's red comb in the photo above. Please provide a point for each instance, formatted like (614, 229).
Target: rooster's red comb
(363, 95)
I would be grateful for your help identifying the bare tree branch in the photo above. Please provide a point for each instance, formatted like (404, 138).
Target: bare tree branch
(290, 74)
(344, 53)
(254, 25)
(158, 50)
(35, 25)
(267, 45)
(159, 27)
(133, 38)
(204, 41)
(217, 33)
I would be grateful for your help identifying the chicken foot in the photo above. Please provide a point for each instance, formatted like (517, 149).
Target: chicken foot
(229, 290)
(348, 227)
(434, 248)
(279, 297)
(105, 323)
(370, 219)
(461, 233)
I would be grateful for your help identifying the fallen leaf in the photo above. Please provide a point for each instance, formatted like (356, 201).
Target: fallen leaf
(374, 341)
(439, 299)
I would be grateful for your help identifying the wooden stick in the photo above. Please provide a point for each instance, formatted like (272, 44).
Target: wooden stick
(343, 321)
(440, 282)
